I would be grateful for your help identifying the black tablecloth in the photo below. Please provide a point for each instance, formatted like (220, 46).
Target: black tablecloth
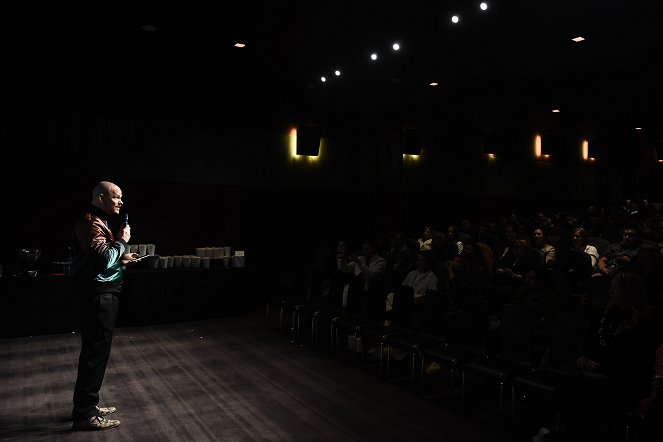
(46, 304)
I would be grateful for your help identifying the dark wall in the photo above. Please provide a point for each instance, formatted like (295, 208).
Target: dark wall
(190, 185)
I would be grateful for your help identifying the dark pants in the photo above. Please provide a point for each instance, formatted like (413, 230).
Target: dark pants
(98, 313)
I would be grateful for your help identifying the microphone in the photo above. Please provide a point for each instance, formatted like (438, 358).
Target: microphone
(126, 219)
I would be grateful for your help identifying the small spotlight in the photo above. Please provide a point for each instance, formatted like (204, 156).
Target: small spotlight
(638, 128)
(239, 45)
(578, 39)
(556, 111)
(483, 6)
(434, 83)
(323, 79)
(396, 46)
(374, 56)
(337, 73)
(455, 19)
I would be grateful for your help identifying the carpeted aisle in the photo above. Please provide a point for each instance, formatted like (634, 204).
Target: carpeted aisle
(227, 379)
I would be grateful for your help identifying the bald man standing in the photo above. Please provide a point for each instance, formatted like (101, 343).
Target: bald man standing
(98, 257)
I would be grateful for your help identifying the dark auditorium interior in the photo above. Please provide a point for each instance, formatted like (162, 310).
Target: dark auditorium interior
(278, 128)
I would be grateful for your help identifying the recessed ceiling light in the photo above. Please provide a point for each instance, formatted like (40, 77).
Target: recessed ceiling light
(323, 79)
(374, 56)
(556, 111)
(337, 73)
(483, 6)
(578, 39)
(239, 45)
(638, 128)
(396, 46)
(435, 83)
(455, 19)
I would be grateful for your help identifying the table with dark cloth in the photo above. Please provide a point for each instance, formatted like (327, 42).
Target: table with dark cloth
(45, 304)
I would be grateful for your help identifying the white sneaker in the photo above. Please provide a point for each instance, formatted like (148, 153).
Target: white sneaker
(542, 436)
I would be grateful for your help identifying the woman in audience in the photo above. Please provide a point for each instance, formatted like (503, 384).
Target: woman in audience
(426, 239)
(579, 242)
(540, 241)
(420, 279)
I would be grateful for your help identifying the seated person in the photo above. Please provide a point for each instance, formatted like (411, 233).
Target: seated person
(540, 241)
(426, 239)
(400, 259)
(510, 271)
(616, 369)
(420, 279)
(367, 273)
(579, 242)
(620, 254)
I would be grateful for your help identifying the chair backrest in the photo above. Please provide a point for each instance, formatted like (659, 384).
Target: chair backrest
(433, 317)
(537, 255)
(469, 325)
(355, 301)
(402, 305)
(565, 339)
(516, 335)
(553, 240)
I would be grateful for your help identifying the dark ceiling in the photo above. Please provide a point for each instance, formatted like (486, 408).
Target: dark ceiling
(508, 66)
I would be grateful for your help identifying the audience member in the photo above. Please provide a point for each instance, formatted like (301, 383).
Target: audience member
(619, 254)
(540, 241)
(579, 243)
(594, 221)
(576, 266)
(541, 220)
(617, 366)
(466, 231)
(420, 279)
(426, 239)
(563, 224)
(510, 271)
(367, 286)
(453, 238)
(536, 294)
(400, 259)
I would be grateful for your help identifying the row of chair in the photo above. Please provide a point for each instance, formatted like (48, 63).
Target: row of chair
(521, 356)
